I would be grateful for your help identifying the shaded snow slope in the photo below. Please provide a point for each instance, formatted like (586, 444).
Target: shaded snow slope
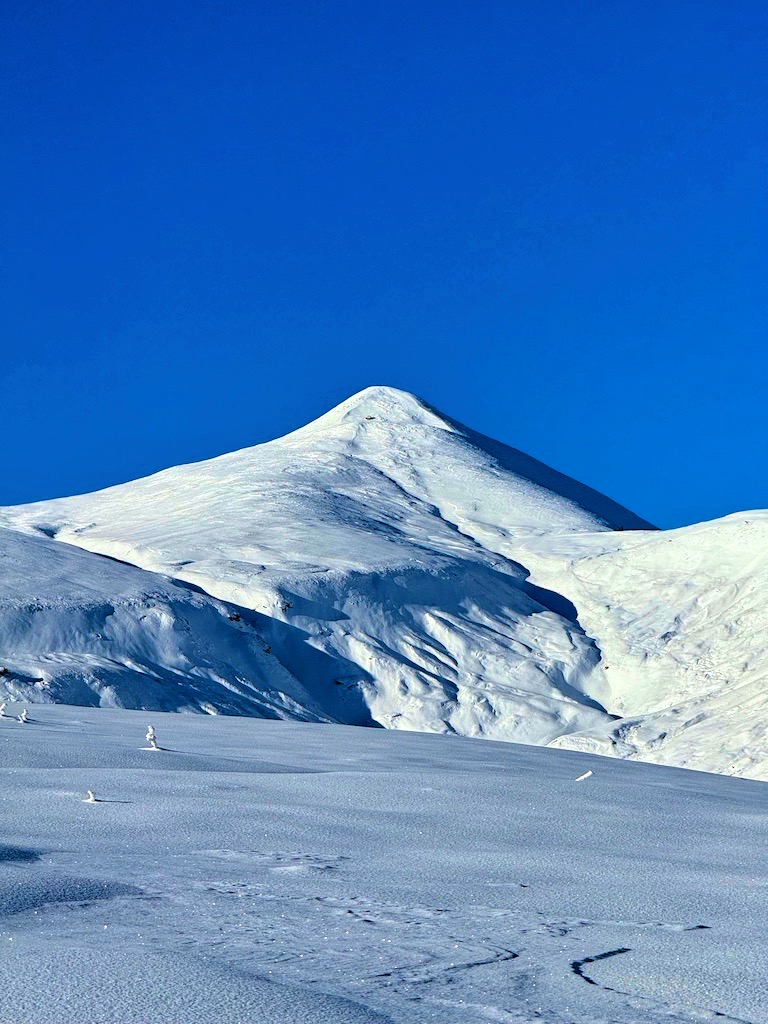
(364, 531)
(279, 873)
(80, 628)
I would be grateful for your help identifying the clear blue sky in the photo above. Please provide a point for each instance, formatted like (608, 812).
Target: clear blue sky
(548, 219)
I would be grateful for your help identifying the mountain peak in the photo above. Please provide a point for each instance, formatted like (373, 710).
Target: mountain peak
(386, 563)
(378, 402)
(380, 437)
(385, 393)
(447, 463)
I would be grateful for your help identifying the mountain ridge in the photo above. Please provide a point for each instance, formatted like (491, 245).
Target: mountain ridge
(402, 408)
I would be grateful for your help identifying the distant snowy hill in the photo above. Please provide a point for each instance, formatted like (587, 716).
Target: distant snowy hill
(383, 554)
(78, 628)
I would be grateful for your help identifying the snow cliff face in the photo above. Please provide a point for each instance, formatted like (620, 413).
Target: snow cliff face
(384, 553)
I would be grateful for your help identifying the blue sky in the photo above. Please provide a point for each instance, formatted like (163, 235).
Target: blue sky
(549, 220)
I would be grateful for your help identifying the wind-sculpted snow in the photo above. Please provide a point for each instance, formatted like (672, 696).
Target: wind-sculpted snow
(388, 566)
(402, 647)
(265, 872)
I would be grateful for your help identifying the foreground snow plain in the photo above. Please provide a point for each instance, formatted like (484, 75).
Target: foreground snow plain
(266, 872)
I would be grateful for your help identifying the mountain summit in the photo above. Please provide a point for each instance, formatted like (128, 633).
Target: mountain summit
(383, 464)
(368, 544)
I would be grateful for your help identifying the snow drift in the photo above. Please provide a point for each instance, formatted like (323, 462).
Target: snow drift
(280, 873)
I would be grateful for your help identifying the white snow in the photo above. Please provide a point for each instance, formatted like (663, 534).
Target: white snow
(79, 628)
(265, 872)
(354, 532)
(681, 619)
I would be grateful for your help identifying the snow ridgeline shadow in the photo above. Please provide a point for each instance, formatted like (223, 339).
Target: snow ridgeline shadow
(38, 892)
(343, 679)
(18, 855)
(566, 609)
(307, 669)
(338, 681)
(550, 599)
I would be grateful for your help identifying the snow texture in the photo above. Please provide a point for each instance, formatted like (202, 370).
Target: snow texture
(265, 872)
(681, 619)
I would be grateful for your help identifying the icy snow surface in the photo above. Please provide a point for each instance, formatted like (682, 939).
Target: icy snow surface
(286, 873)
(387, 565)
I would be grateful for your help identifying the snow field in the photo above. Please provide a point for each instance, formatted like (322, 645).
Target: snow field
(260, 867)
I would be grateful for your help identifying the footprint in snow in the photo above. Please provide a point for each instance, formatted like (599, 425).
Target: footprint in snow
(280, 862)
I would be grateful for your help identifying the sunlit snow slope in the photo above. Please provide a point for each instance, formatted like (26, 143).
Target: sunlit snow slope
(364, 531)
(681, 619)
(386, 552)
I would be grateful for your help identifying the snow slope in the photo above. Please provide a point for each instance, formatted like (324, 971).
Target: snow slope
(681, 619)
(80, 628)
(364, 532)
(262, 872)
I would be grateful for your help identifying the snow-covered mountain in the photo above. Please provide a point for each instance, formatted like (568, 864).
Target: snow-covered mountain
(363, 533)
(78, 628)
(383, 554)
